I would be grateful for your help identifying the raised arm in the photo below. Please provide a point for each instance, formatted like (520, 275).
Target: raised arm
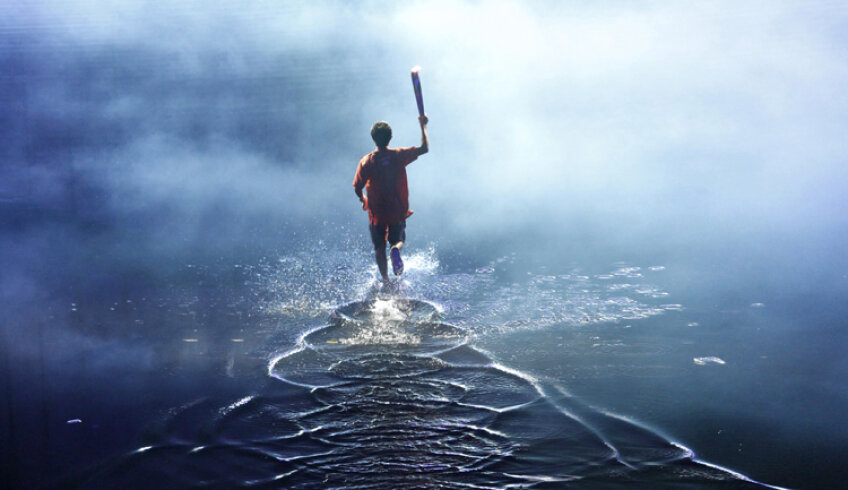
(425, 142)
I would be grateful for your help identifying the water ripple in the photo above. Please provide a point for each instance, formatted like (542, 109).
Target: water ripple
(387, 395)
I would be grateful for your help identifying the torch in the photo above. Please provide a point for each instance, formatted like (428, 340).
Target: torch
(416, 85)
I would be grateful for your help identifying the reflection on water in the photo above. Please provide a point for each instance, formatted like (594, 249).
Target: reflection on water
(388, 395)
(298, 371)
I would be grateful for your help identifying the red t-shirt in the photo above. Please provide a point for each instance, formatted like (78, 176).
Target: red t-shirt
(383, 174)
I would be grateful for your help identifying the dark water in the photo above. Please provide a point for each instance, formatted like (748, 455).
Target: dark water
(389, 396)
(297, 372)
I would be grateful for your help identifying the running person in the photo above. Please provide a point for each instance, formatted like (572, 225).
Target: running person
(383, 175)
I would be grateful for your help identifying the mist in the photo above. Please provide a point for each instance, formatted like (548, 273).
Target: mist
(141, 138)
(596, 121)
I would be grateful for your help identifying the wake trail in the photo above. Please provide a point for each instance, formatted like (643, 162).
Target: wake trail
(388, 395)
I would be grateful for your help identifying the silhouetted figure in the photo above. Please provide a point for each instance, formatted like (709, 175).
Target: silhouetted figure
(383, 175)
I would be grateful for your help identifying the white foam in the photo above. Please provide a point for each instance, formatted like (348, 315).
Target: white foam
(384, 311)
(235, 405)
(421, 261)
(703, 361)
(381, 335)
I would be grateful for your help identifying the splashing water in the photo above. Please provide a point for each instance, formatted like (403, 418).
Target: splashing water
(485, 301)
(393, 393)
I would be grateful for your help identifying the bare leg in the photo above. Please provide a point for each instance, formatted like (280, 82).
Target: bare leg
(382, 262)
(398, 245)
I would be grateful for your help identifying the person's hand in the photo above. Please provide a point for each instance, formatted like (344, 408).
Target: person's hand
(423, 120)
(364, 202)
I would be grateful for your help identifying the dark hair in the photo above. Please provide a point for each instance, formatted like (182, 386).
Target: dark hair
(381, 133)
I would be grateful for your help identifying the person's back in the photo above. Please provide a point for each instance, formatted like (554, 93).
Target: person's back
(382, 173)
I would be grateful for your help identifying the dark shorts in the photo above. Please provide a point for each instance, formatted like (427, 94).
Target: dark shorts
(394, 233)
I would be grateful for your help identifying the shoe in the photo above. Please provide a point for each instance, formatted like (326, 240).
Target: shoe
(397, 263)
